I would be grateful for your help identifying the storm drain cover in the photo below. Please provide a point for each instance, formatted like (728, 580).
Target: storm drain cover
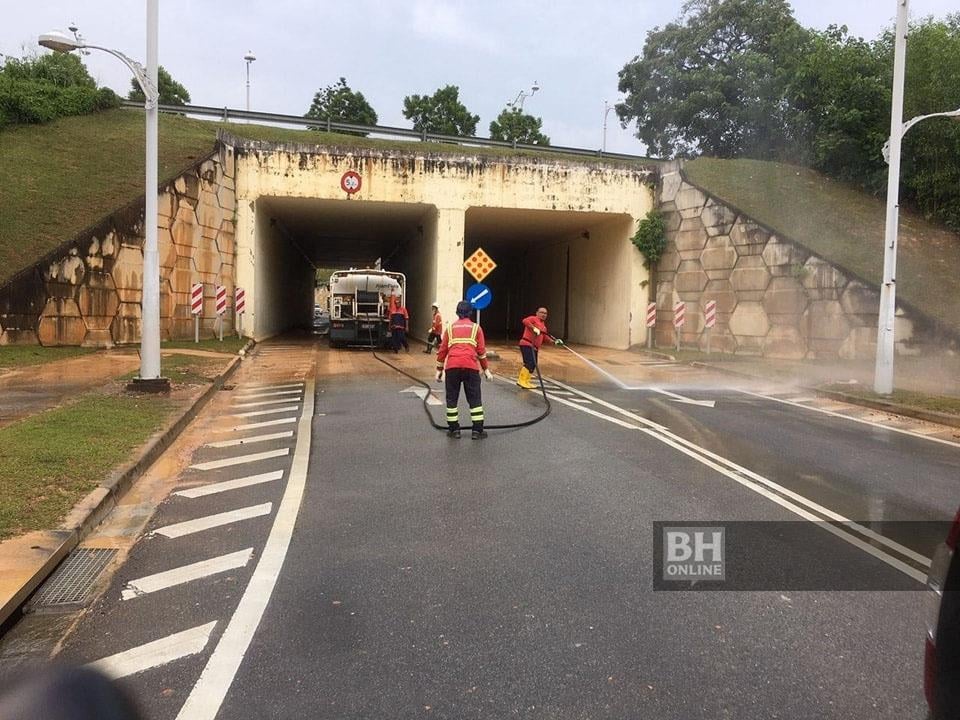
(71, 582)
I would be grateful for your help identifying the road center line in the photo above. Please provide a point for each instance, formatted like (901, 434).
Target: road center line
(211, 688)
(156, 653)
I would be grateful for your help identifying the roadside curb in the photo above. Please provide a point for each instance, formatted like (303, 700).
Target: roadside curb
(890, 407)
(91, 510)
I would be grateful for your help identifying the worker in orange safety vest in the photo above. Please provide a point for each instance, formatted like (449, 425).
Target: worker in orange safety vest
(463, 354)
(534, 331)
(436, 329)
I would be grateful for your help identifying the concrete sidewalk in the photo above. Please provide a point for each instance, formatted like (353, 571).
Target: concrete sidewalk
(27, 560)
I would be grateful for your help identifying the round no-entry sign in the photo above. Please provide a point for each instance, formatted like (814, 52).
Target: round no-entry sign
(350, 182)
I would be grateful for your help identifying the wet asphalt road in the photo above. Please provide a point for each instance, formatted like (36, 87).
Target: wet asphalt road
(513, 577)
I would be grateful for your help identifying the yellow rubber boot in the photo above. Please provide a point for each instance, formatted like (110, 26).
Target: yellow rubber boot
(523, 380)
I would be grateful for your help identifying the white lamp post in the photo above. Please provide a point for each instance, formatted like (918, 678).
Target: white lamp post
(883, 372)
(607, 107)
(249, 57)
(517, 103)
(149, 379)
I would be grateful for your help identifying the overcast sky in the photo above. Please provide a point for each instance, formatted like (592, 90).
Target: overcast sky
(388, 49)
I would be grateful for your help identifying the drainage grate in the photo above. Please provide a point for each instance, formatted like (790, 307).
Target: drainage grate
(71, 582)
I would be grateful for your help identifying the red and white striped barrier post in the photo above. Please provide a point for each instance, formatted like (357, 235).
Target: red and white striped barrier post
(651, 323)
(196, 308)
(239, 306)
(679, 318)
(221, 308)
(710, 320)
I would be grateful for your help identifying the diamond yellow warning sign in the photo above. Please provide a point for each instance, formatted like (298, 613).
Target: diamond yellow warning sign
(479, 265)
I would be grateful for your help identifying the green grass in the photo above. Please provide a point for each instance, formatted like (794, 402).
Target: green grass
(231, 344)
(12, 356)
(187, 369)
(843, 225)
(50, 461)
(935, 403)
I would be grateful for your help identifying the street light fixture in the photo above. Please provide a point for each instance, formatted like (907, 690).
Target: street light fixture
(607, 107)
(883, 371)
(249, 57)
(517, 103)
(149, 379)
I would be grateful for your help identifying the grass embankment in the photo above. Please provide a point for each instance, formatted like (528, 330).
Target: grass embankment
(186, 369)
(50, 461)
(231, 345)
(843, 225)
(12, 356)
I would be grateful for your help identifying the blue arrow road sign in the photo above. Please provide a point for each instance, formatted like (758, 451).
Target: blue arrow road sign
(479, 296)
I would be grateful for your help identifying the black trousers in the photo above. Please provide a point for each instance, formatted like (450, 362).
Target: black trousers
(470, 379)
(529, 355)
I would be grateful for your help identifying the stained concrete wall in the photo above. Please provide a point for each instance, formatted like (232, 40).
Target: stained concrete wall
(453, 184)
(774, 297)
(88, 291)
(284, 279)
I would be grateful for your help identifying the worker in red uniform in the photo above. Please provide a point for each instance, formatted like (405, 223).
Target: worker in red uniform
(399, 320)
(436, 330)
(534, 331)
(463, 354)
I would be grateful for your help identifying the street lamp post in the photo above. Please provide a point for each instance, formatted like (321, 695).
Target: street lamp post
(249, 57)
(517, 102)
(149, 379)
(883, 371)
(607, 107)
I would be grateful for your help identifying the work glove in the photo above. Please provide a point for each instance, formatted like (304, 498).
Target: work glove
(487, 374)
(439, 375)
(558, 342)
(536, 331)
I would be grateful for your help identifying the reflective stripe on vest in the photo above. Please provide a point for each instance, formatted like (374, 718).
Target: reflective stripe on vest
(472, 340)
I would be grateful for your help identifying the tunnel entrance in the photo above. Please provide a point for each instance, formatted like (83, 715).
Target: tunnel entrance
(576, 264)
(298, 236)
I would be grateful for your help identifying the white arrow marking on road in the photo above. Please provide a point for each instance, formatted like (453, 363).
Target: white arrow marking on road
(422, 393)
(484, 293)
(156, 653)
(185, 574)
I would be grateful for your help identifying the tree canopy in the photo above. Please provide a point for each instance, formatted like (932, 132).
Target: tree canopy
(441, 112)
(338, 103)
(171, 92)
(513, 125)
(42, 88)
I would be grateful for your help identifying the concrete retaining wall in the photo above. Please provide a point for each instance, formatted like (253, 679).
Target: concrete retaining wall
(88, 291)
(774, 297)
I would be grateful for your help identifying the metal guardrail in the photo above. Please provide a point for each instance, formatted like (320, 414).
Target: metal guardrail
(229, 114)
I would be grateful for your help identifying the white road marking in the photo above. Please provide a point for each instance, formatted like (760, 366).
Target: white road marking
(580, 400)
(258, 413)
(754, 481)
(679, 398)
(421, 393)
(186, 573)
(214, 488)
(263, 403)
(207, 695)
(250, 440)
(156, 653)
(261, 388)
(256, 425)
(241, 459)
(850, 417)
(211, 521)
(275, 393)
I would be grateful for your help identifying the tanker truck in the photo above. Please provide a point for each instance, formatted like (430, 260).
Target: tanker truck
(359, 304)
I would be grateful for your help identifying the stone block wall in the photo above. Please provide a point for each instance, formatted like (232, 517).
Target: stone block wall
(88, 291)
(774, 297)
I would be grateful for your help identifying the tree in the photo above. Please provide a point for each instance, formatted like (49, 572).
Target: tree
(338, 103)
(441, 113)
(171, 92)
(513, 125)
(42, 88)
(712, 81)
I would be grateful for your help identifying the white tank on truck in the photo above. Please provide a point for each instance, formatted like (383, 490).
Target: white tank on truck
(359, 303)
